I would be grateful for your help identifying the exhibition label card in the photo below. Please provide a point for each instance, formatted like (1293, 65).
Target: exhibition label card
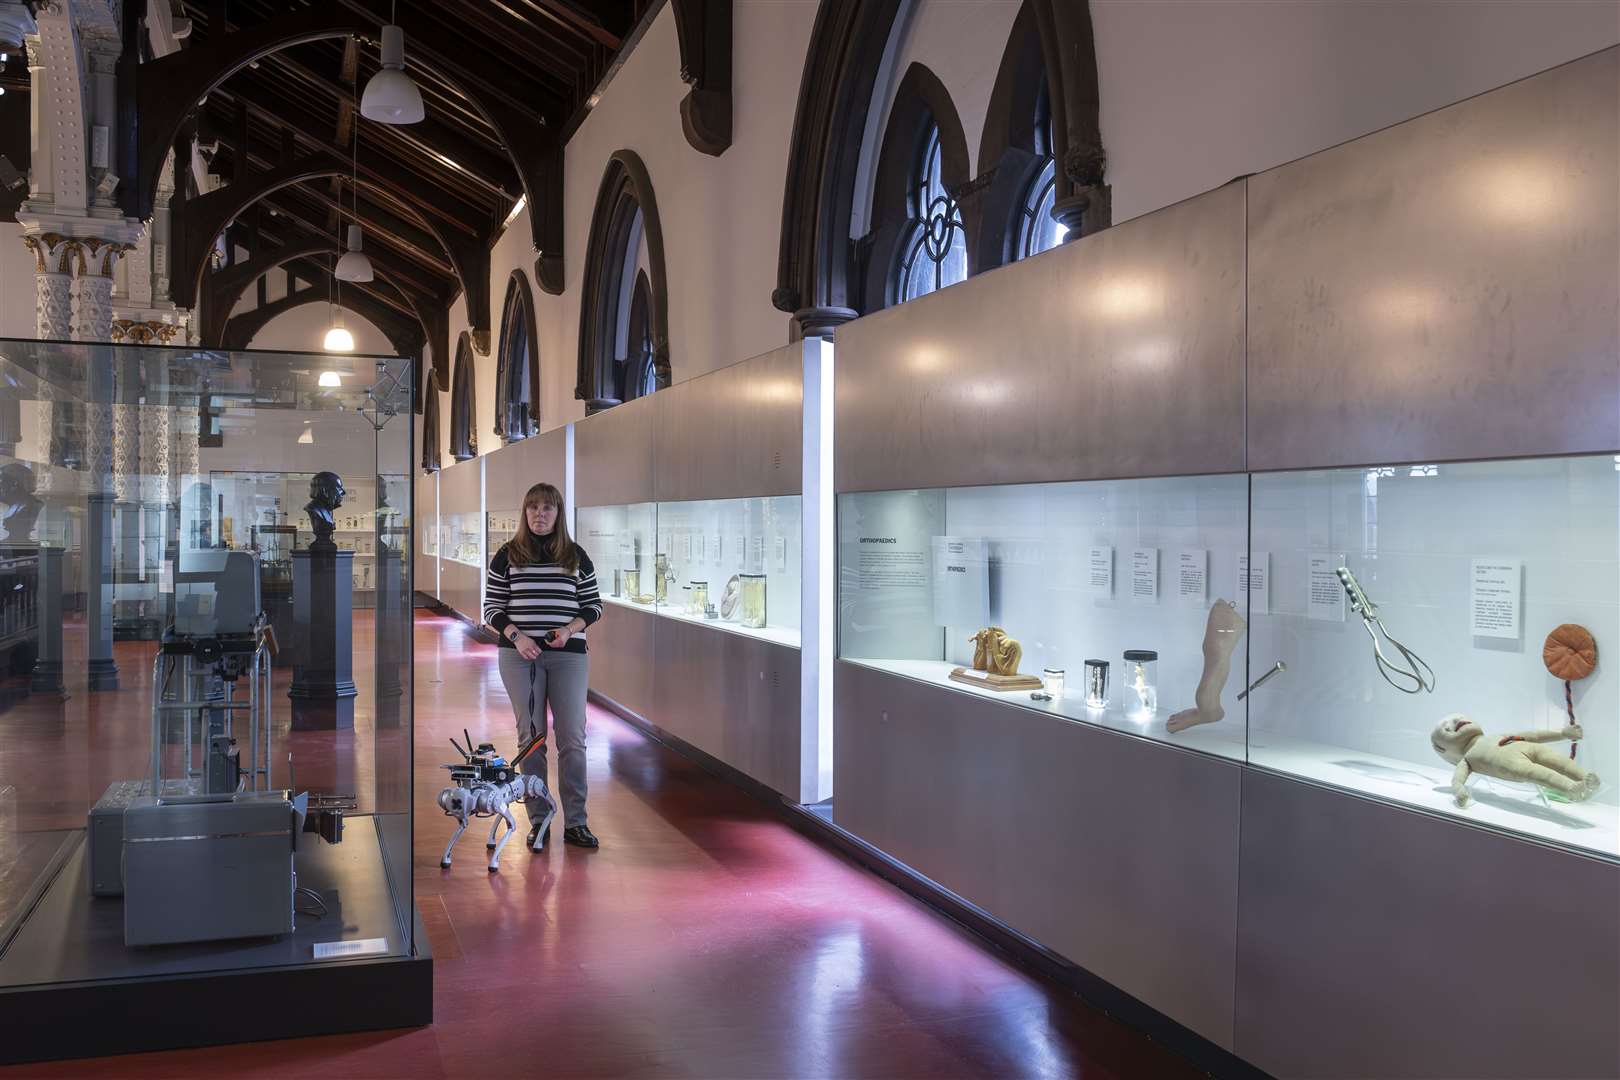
(1255, 581)
(686, 547)
(1101, 575)
(741, 550)
(1192, 575)
(781, 553)
(1494, 600)
(1324, 597)
(1145, 574)
(714, 547)
(702, 544)
(759, 553)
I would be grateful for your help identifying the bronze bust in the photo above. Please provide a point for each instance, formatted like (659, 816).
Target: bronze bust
(325, 495)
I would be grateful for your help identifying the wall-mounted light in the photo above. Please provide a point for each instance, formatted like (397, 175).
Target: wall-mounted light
(307, 436)
(332, 379)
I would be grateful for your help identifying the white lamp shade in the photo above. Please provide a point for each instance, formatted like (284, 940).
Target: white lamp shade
(332, 378)
(391, 97)
(338, 339)
(354, 266)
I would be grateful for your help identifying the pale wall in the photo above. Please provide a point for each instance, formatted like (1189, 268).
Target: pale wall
(303, 328)
(1197, 92)
(721, 216)
(1193, 92)
(16, 284)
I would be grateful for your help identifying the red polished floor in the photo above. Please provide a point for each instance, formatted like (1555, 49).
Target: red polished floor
(704, 939)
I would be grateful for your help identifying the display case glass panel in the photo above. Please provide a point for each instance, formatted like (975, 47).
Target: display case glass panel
(152, 511)
(462, 538)
(1110, 589)
(620, 542)
(499, 527)
(1470, 567)
(734, 564)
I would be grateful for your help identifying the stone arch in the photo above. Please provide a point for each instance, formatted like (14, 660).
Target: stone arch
(624, 202)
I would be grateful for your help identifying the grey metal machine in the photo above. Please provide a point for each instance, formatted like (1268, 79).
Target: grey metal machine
(207, 853)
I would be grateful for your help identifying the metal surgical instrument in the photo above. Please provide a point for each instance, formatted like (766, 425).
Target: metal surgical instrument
(1416, 675)
(1277, 669)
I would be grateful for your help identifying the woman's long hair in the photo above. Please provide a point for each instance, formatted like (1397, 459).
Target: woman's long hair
(525, 548)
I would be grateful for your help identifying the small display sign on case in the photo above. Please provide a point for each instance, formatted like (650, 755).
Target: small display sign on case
(1100, 576)
(1324, 596)
(1145, 574)
(1495, 599)
(1254, 581)
(1192, 575)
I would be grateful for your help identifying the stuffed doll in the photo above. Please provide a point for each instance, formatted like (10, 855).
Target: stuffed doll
(1520, 757)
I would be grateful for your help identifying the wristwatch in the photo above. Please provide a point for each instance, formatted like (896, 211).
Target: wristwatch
(511, 634)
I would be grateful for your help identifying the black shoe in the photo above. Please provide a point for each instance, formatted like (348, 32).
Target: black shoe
(580, 836)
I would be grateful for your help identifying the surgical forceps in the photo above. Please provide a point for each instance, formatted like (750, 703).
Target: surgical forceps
(1418, 674)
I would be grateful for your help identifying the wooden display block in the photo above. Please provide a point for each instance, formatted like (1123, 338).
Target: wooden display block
(996, 682)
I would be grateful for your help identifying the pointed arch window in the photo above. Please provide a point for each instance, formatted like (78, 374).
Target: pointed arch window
(637, 374)
(517, 368)
(1038, 230)
(624, 313)
(918, 240)
(463, 407)
(937, 253)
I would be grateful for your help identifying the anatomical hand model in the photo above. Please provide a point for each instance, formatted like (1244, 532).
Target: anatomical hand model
(1221, 636)
(1521, 757)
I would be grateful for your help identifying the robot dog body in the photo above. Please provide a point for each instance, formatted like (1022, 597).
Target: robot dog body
(485, 785)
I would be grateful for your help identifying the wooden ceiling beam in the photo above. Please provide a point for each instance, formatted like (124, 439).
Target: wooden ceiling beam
(438, 203)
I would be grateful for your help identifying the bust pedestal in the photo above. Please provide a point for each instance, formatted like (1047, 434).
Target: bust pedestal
(323, 690)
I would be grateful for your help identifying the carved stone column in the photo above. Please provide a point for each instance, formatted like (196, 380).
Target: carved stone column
(93, 288)
(53, 285)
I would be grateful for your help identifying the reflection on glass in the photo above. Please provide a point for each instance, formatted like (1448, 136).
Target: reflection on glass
(155, 498)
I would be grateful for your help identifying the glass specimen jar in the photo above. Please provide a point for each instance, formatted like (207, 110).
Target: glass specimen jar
(1141, 682)
(753, 600)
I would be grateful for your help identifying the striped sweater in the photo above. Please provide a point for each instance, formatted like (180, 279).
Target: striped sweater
(540, 597)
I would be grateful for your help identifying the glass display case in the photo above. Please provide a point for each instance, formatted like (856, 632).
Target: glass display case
(620, 542)
(462, 538)
(986, 589)
(285, 844)
(1492, 607)
(1430, 635)
(499, 527)
(732, 564)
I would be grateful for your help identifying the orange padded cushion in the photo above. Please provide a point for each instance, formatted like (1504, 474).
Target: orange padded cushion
(1570, 653)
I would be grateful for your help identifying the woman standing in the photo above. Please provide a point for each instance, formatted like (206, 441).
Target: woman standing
(540, 598)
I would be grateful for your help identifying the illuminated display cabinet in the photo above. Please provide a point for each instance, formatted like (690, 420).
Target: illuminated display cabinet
(201, 873)
(1309, 485)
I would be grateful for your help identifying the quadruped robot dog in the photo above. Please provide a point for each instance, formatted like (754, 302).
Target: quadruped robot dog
(486, 785)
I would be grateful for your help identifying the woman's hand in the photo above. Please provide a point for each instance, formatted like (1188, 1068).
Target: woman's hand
(559, 637)
(527, 647)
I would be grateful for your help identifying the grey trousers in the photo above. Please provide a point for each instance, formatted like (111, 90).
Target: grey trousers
(559, 678)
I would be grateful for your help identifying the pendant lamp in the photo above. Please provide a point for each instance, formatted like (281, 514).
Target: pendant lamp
(354, 265)
(338, 338)
(391, 97)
